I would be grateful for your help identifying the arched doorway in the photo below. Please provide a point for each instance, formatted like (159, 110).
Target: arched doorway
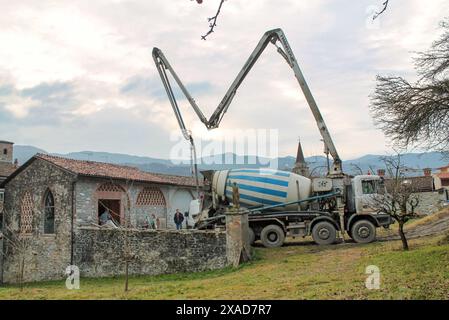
(113, 198)
(151, 200)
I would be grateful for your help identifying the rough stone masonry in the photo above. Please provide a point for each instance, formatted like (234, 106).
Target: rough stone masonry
(101, 253)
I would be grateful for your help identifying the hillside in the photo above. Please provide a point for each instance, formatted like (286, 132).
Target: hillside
(415, 161)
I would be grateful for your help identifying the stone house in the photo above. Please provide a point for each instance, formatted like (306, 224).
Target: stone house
(56, 202)
(441, 180)
(431, 200)
(7, 167)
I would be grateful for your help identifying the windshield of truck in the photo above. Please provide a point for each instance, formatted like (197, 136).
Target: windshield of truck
(369, 186)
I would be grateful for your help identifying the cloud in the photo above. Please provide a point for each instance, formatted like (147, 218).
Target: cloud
(44, 104)
(6, 90)
(47, 92)
(153, 88)
(79, 75)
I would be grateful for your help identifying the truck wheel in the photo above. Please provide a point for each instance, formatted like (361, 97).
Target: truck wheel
(272, 236)
(363, 231)
(324, 233)
(251, 236)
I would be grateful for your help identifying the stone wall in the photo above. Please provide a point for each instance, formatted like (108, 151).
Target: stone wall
(46, 255)
(100, 252)
(430, 202)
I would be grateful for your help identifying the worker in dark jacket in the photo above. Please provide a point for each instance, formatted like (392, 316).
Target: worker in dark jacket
(179, 218)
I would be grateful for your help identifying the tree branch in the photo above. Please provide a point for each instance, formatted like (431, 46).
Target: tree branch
(213, 21)
(377, 14)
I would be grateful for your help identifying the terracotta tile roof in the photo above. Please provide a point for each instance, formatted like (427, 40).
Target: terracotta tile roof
(114, 171)
(443, 175)
(419, 184)
(180, 180)
(6, 169)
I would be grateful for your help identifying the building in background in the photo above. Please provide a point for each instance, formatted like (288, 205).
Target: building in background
(301, 166)
(431, 198)
(7, 167)
(441, 178)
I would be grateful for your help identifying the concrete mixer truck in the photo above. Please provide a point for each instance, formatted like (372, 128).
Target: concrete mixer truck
(280, 203)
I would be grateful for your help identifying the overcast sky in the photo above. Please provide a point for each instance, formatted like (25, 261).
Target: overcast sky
(78, 75)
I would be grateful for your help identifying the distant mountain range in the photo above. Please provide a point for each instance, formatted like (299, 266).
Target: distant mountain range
(414, 161)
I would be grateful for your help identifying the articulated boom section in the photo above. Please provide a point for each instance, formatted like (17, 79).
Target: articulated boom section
(273, 36)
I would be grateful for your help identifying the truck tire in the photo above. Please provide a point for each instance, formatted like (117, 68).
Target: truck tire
(272, 236)
(363, 231)
(251, 236)
(324, 233)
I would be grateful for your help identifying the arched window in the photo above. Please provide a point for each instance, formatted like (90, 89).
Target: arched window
(26, 214)
(49, 213)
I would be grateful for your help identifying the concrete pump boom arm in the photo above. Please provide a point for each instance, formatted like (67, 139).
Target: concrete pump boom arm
(272, 36)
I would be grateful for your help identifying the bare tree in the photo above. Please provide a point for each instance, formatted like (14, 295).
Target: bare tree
(17, 244)
(124, 230)
(401, 200)
(356, 169)
(417, 113)
(319, 171)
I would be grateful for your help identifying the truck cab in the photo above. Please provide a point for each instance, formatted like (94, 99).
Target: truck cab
(364, 187)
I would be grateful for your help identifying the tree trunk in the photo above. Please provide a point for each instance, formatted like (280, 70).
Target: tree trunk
(126, 275)
(402, 235)
(22, 272)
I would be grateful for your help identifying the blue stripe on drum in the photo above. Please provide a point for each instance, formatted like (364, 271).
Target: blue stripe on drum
(260, 179)
(255, 199)
(272, 192)
(263, 171)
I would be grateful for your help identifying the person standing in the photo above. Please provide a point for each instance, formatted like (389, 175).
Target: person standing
(105, 217)
(153, 222)
(178, 218)
(150, 221)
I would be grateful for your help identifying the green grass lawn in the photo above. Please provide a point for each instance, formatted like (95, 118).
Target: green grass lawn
(299, 270)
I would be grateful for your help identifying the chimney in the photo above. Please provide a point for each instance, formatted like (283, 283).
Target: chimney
(427, 172)
(381, 172)
(16, 163)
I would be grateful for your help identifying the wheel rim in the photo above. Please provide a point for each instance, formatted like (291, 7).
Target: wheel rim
(364, 232)
(324, 234)
(272, 237)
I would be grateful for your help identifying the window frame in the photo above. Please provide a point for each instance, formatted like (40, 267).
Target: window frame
(48, 193)
(373, 183)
